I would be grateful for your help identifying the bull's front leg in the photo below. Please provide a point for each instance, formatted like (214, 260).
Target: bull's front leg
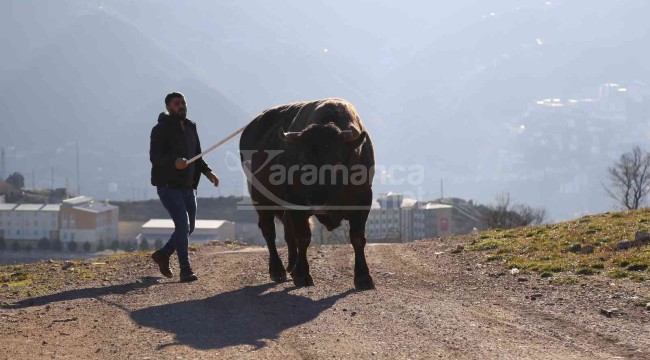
(362, 278)
(290, 238)
(302, 236)
(277, 273)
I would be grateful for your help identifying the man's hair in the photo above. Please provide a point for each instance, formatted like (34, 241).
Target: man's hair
(172, 96)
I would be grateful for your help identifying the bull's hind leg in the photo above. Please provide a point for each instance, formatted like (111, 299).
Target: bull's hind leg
(362, 278)
(299, 222)
(267, 225)
(290, 238)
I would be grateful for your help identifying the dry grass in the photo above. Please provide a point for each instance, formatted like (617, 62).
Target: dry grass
(20, 281)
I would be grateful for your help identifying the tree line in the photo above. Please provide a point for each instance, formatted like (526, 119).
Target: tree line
(47, 245)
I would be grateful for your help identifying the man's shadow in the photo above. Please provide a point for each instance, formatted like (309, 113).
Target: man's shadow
(85, 293)
(245, 316)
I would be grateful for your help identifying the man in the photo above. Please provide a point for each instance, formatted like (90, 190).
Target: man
(174, 140)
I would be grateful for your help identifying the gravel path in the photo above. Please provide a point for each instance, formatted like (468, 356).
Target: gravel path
(428, 304)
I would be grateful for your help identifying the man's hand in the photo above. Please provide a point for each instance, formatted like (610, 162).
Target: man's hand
(213, 178)
(181, 163)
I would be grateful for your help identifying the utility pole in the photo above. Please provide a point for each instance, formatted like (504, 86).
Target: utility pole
(442, 193)
(33, 180)
(52, 177)
(78, 176)
(2, 166)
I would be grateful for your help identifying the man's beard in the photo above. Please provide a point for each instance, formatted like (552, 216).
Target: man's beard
(181, 115)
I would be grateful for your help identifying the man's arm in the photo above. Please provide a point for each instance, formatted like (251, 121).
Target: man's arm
(203, 166)
(157, 154)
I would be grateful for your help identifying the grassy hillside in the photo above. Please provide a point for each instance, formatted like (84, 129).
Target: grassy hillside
(586, 246)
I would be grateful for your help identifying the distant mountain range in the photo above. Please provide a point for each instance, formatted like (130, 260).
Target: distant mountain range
(436, 83)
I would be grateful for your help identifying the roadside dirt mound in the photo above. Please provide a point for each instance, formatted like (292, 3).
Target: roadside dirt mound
(429, 303)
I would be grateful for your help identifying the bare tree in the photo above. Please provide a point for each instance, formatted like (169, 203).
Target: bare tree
(629, 179)
(504, 214)
(529, 215)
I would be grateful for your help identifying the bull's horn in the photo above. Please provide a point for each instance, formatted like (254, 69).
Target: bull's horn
(288, 136)
(350, 135)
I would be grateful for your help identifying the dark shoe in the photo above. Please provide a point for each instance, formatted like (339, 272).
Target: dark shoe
(163, 263)
(188, 276)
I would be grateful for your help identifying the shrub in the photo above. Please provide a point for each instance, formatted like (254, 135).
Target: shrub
(115, 245)
(87, 247)
(129, 246)
(15, 247)
(144, 245)
(57, 245)
(72, 246)
(44, 244)
(101, 246)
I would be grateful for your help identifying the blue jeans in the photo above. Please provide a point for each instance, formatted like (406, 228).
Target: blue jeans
(181, 206)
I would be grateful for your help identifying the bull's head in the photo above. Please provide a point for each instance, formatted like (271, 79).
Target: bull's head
(327, 151)
(352, 138)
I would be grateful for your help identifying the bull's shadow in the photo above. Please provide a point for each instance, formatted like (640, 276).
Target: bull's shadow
(245, 316)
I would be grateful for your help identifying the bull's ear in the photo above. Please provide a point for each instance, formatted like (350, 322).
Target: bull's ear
(357, 140)
(291, 137)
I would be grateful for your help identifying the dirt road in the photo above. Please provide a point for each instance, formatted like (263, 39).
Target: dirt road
(428, 304)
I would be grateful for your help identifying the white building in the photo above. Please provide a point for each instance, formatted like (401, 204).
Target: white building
(204, 231)
(437, 220)
(29, 222)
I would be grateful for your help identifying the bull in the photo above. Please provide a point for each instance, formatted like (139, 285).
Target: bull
(322, 165)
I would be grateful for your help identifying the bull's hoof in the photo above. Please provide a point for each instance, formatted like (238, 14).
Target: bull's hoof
(278, 277)
(364, 282)
(300, 281)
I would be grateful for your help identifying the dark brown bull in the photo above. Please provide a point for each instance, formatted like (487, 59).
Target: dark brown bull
(325, 139)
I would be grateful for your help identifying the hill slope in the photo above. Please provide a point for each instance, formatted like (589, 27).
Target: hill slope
(429, 303)
(99, 81)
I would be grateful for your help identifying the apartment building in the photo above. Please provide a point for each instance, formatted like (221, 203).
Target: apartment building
(394, 218)
(83, 220)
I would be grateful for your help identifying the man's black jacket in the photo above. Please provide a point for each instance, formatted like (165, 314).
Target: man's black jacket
(167, 144)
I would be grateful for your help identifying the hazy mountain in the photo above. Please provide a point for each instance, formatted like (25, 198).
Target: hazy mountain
(100, 82)
(439, 84)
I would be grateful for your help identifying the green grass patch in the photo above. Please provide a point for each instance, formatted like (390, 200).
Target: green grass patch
(19, 283)
(636, 277)
(637, 267)
(483, 245)
(493, 257)
(565, 281)
(586, 271)
(547, 249)
(618, 274)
